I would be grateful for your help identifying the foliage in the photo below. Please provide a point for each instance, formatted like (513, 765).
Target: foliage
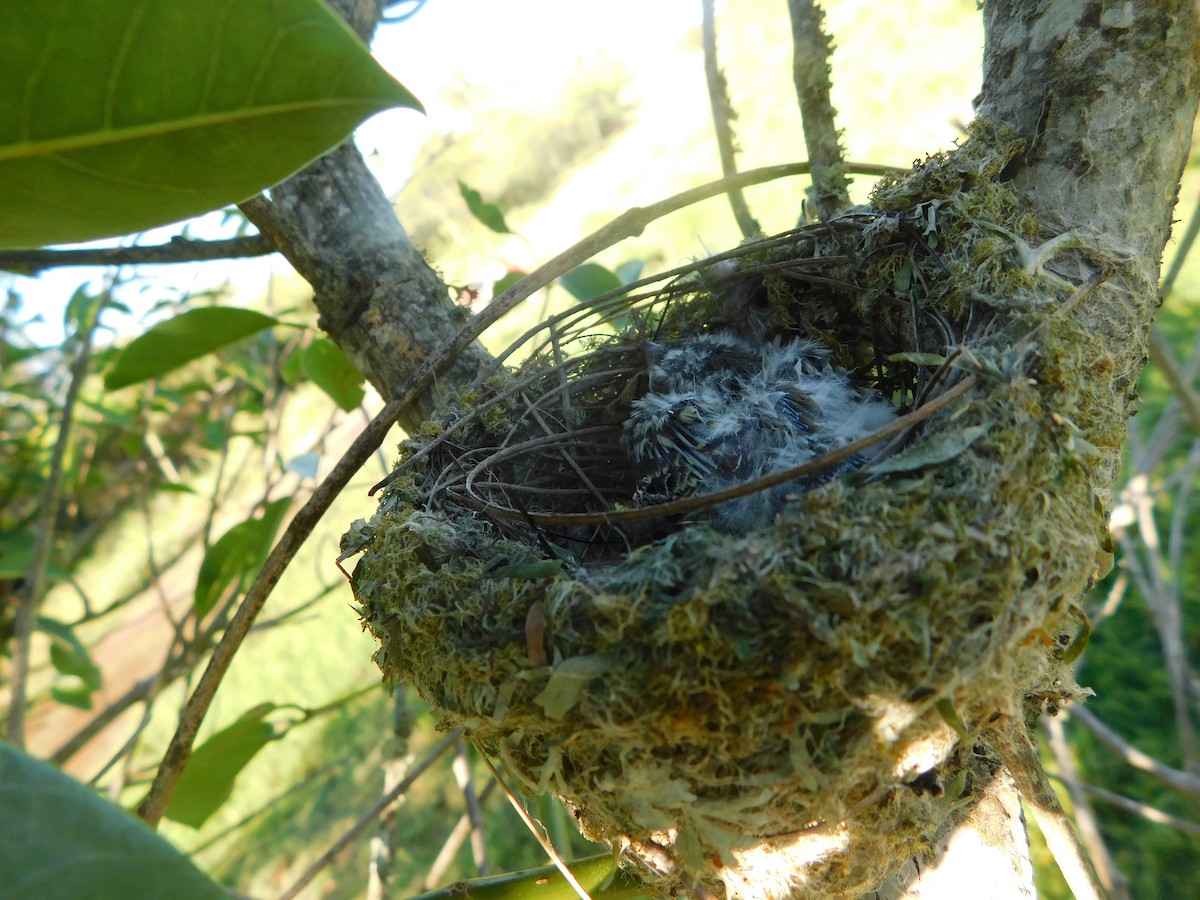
(58, 839)
(121, 115)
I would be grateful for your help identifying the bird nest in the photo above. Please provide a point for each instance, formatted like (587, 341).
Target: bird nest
(793, 698)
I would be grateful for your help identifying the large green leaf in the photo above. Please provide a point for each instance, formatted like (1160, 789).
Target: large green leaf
(190, 335)
(210, 774)
(117, 115)
(59, 840)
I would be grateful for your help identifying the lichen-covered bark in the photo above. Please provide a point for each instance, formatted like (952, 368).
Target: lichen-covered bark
(378, 298)
(1104, 95)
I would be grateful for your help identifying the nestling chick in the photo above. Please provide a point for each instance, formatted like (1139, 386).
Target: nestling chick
(722, 411)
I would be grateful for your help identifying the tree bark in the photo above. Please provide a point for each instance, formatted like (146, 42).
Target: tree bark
(1104, 95)
(378, 298)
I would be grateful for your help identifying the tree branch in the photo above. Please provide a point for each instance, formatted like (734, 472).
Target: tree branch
(723, 116)
(176, 250)
(1186, 783)
(811, 49)
(30, 597)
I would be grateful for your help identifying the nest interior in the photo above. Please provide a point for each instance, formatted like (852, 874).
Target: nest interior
(773, 709)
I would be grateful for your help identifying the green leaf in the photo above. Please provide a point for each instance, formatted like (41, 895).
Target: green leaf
(331, 370)
(567, 682)
(590, 280)
(74, 659)
(175, 342)
(16, 556)
(507, 280)
(210, 774)
(930, 453)
(118, 115)
(72, 692)
(945, 708)
(236, 556)
(487, 213)
(59, 840)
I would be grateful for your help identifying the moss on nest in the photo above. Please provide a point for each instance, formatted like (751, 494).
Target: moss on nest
(768, 711)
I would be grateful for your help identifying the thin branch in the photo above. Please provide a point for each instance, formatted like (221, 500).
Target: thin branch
(395, 766)
(723, 116)
(466, 784)
(536, 831)
(1020, 758)
(628, 224)
(31, 596)
(176, 250)
(1111, 877)
(1187, 783)
(454, 841)
(1144, 810)
(1164, 358)
(371, 815)
(811, 49)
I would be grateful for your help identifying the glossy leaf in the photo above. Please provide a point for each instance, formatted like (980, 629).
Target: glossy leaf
(117, 115)
(236, 556)
(175, 342)
(60, 840)
(210, 774)
(331, 370)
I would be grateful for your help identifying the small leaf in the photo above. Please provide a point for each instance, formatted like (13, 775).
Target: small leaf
(567, 682)
(507, 280)
(305, 465)
(210, 774)
(949, 715)
(118, 115)
(331, 370)
(175, 342)
(59, 839)
(72, 692)
(77, 662)
(932, 360)
(590, 280)
(931, 452)
(487, 213)
(237, 556)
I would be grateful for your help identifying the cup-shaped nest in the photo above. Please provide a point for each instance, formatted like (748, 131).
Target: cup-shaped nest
(777, 707)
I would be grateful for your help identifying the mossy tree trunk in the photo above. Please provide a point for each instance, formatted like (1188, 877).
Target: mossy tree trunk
(1105, 97)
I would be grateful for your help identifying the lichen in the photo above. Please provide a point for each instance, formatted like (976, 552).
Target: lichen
(774, 709)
